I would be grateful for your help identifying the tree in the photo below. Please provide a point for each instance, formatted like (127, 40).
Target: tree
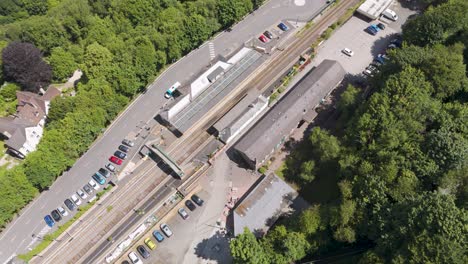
(324, 146)
(246, 249)
(447, 148)
(230, 11)
(36, 7)
(63, 64)
(8, 92)
(309, 220)
(307, 171)
(97, 61)
(23, 64)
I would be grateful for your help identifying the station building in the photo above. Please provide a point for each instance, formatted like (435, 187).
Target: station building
(273, 129)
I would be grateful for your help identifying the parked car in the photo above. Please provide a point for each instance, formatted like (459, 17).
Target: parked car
(87, 189)
(81, 194)
(56, 215)
(97, 177)
(197, 200)
(159, 237)
(120, 155)
(128, 142)
(149, 243)
(125, 262)
(381, 26)
(49, 221)
(93, 184)
(134, 258)
(379, 59)
(104, 172)
(110, 167)
(348, 52)
(191, 206)
(75, 199)
(70, 205)
(143, 252)
(166, 230)
(62, 211)
(124, 148)
(392, 46)
(115, 160)
(397, 41)
(268, 34)
(283, 26)
(263, 39)
(183, 213)
(375, 27)
(371, 30)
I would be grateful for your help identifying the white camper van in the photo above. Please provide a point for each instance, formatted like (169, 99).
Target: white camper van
(390, 14)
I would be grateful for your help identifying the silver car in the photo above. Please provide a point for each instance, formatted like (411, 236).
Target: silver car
(166, 230)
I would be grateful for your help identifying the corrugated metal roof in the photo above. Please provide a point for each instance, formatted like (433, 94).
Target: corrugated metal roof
(277, 124)
(261, 207)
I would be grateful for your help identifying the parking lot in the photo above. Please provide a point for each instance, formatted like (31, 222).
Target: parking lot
(365, 46)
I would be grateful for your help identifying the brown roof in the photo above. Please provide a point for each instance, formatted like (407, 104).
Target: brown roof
(50, 94)
(32, 107)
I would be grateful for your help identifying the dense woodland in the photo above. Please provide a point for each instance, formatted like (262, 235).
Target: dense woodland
(120, 45)
(399, 157)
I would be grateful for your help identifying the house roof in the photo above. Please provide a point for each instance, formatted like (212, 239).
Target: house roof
(14, 130)
(262, 206)
(277, 124)
(33, 107)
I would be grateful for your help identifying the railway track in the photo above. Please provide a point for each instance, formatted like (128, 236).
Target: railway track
(261, 81)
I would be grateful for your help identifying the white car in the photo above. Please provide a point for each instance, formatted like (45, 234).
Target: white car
(81, 194)
(94, 184)
(110, 167)
(134, 258)
(348, 52)
(62, 211)
(75, 199)
(166, 230)
(183, 213)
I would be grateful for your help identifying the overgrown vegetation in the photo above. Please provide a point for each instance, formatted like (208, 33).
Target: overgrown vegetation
(399, 160)
(120, 45)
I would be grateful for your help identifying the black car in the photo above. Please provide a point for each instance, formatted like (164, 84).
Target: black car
(197, 200)
(55, 215)
(120, 154)
(381, 26)
(104, 172)
(124, 148)
(70, 205)
(125, 262)
(88, 189)
(268, 34)
(190, 205)
(143, 252)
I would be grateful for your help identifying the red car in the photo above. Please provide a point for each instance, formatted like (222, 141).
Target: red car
(263, 39)
(115, 160)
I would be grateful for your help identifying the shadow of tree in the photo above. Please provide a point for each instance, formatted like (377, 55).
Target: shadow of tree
(215, 248)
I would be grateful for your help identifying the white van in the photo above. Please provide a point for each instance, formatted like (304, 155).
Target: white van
(390, 14)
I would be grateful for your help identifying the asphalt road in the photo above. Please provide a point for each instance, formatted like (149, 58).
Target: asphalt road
(18, 235)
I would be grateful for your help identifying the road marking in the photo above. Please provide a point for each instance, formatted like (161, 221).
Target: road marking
(13, 238)
(212, 50)
(27, 222)
(42, 207)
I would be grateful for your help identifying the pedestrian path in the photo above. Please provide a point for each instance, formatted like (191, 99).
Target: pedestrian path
(212, 50)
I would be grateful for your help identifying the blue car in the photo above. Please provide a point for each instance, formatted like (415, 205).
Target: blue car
(98, 177)
(49, 221)
(375, 27)
(283, 26)
(159, 237)
(371, 30)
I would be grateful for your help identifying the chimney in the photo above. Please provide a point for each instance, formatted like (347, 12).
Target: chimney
(41, 91)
